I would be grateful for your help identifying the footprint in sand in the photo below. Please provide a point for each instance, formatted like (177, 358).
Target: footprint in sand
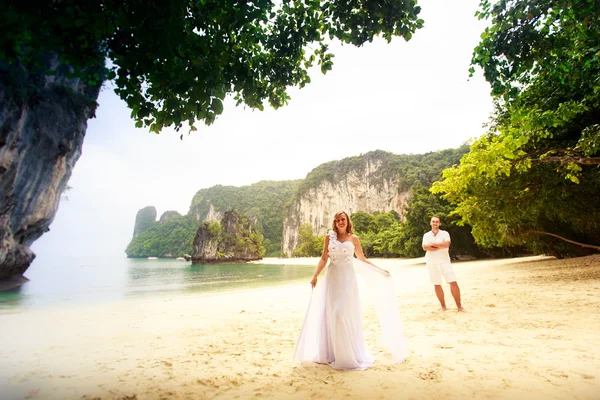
(559, 375)
(430, 375)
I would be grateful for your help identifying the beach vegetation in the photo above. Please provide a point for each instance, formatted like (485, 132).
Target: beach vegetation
(310, 245)
(532, 180)
(388, 235)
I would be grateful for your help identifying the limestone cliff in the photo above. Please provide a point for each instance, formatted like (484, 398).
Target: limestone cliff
(43, 120)
(363, 183)
(144, 219)
(232, 240)
(211, 215)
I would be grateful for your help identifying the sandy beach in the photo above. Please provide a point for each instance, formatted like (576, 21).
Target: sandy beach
(532, 331)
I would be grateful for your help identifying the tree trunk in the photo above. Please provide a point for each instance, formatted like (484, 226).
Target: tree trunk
(587, 246)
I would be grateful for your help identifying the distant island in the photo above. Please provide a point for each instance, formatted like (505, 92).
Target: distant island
(233, 239)
(386, 194)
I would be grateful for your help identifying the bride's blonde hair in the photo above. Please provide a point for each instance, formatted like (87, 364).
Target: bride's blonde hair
(348, 227)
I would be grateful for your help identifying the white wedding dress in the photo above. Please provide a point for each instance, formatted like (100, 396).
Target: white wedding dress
(332, 331)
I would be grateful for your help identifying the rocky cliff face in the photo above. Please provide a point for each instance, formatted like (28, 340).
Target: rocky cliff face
(144, 218)
(43, 120)
(200, 215)
(212, 215)
(230, 241)
(361, 188)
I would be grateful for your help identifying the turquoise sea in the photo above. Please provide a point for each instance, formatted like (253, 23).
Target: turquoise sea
(85, 280)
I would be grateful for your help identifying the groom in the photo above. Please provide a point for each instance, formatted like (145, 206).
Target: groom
(436, 243)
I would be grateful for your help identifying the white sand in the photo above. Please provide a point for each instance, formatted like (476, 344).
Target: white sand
(532, 330)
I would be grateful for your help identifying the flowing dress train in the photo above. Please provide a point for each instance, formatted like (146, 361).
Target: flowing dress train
(332, 331)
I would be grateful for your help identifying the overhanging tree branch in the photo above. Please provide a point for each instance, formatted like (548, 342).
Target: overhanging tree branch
(587, 246)
(563, 156)
(568, 159)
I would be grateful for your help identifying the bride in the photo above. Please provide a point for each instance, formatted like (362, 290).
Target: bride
(332, 331)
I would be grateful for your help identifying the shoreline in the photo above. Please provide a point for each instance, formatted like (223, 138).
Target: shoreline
(19, 306)
(531, 330)
(386, 262)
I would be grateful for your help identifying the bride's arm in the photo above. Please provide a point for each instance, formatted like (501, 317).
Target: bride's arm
(322, 261)
(361, 256)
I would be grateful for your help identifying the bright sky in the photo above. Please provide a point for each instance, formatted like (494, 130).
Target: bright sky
(402, 97)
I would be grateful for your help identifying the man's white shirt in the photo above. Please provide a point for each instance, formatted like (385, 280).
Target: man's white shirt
(437, 256)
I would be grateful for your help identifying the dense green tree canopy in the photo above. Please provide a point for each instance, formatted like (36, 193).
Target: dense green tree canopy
(175, 61)
(421, 207)
(385, 235)
(542, 59)
(536, 170)
(309, 245)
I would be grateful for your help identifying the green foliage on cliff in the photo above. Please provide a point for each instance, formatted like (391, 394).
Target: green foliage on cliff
(421, 169)
(167, 215)
(410, 169)
(214, 227)
(246, 239)
(174, 237)
(235, 239)
(333, 170)
(175, 61)
(262, 202)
